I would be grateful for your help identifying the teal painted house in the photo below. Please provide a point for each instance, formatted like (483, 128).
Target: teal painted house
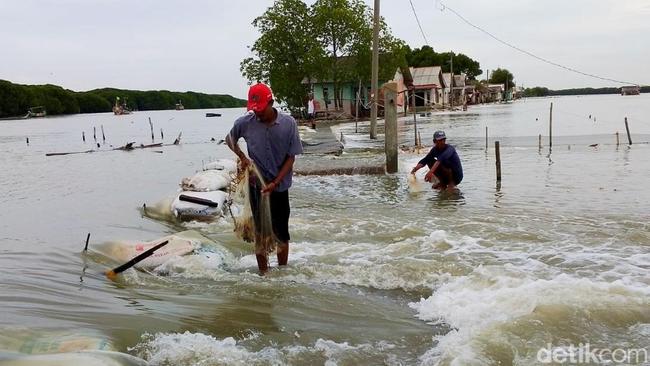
(345, 103)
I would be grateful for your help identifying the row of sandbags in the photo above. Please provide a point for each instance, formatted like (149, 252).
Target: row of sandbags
(204, 195)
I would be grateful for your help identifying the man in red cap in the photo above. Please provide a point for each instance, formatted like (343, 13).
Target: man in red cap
(272, 142)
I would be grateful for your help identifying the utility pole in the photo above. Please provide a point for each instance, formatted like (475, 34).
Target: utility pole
(375, 73)
(451, 100)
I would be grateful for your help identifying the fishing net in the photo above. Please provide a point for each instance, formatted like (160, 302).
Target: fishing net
(253, 223)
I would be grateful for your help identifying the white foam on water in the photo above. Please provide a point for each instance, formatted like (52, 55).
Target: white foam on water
(212, 265)
(404, 264)
(202, 349)
(478, 305)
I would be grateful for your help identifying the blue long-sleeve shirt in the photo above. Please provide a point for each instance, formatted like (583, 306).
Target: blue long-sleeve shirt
(448, 157)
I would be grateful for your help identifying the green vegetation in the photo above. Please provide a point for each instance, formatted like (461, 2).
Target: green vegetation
(502, 76)
(426, 56)
(331, 40)
(543, 92)
(16, 99)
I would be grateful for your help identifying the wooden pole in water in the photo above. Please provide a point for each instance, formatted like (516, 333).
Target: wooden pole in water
(83, 136)
(550, 127)
(415, 118)
(419, 139)
(540, 141)
(498, 162)
(103, 136)
(151, 126)
(27, 138)
(95, 133)
(87, 239)
(390, 125)
(617, 139)
(627, 128)
(162, 135)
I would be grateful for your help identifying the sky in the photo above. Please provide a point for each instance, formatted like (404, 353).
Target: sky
(198, 45)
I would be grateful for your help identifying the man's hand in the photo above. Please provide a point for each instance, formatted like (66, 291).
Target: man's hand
(270, 187)
(429, 176)
(414, 170)
(244, 162)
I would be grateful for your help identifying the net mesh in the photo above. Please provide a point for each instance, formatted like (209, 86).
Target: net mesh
(253, 223)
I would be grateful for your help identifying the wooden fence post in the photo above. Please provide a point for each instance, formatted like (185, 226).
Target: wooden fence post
(498, 156)
(627, 128)
(390, 126)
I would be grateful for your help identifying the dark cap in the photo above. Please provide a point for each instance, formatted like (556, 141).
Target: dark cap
(439, 135)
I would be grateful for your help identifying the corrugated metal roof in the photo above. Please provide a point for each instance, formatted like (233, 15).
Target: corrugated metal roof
(425, 75)
(447, 78)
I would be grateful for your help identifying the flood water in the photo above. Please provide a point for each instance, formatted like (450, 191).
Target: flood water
(556, 255)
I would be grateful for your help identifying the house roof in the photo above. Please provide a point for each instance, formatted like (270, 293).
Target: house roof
(447, 78)
(426, 76)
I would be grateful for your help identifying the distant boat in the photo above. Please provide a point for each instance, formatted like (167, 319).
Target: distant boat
(631, 90)
(179, 106)
(120, 108)
(35, 112)
(213, 114)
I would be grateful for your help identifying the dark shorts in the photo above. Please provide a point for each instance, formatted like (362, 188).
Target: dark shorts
(280, 211)
(445, 175)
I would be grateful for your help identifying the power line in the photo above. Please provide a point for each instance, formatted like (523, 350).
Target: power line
(444, 7)
(419, 25)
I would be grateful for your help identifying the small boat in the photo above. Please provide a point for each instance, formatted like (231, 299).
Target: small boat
(179, 106)
(213, 114)
(35, 112)
(120, 108)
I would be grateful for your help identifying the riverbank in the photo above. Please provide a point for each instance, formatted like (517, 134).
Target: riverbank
(18, 99)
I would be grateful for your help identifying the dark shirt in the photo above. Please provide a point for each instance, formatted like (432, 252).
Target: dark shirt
(269, 145)
(448, 157)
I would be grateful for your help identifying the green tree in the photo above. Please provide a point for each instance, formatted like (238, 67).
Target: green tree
(345, 30)
(466, 65)
(536, 92)
(502, 76)
(286, 52)
(426, 56)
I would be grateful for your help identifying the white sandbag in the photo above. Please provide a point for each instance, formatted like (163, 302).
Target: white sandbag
(208, 180)
(185, 210)
(124, 251)
(227, 165)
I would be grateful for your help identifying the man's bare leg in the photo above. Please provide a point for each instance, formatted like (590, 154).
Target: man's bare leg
(262, 263)
(283, 253)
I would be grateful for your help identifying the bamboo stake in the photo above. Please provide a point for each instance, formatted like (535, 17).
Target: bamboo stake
(151, 126)
(617, 142)
(627, 128)
(498, 162)
(550, 128)
(103, 136)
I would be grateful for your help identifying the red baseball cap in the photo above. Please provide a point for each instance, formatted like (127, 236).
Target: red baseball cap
(259, 96)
